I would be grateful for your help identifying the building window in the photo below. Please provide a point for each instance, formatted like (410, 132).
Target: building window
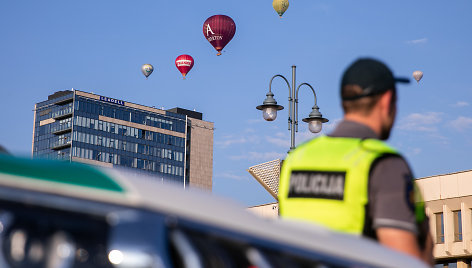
(439, 228)
(457, 226)
(452, 264)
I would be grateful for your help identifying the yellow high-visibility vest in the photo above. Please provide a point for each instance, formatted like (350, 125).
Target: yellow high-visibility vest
(326, 181)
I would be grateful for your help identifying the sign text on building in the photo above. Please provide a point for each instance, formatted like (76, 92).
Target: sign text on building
(115, 101)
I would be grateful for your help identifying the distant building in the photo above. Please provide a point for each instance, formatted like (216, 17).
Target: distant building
(448, 200)
(269, 210)
(175, 144)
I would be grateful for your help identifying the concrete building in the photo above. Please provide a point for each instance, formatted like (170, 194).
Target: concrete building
(448, 200)
(172, 145)
(269, 210)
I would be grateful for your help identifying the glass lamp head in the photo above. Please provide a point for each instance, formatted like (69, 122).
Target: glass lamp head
(269, 107)
(269, 113)
(315, 126)
(315, 120)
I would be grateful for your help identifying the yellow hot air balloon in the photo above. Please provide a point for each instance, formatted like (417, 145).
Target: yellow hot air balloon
(280, 6)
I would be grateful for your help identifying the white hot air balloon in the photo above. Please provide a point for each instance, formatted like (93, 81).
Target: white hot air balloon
(418, 75)
(147, 69)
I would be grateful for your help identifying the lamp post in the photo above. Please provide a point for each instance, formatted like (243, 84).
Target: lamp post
(270, 107)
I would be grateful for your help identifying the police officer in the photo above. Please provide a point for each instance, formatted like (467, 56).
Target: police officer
(351, 181)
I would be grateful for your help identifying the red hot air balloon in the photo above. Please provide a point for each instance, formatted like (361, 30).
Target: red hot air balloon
(219, 30)
(184, 63)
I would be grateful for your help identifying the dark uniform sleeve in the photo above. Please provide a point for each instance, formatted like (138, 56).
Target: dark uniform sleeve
(391, 197)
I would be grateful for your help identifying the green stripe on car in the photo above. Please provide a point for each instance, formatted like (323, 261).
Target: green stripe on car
(58, 171)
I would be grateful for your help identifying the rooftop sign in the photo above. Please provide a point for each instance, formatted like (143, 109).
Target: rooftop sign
(115, 101)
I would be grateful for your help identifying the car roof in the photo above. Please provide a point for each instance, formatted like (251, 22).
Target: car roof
(113, 186)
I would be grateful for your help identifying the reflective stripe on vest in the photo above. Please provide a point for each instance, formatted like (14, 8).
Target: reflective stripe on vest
(326, 181)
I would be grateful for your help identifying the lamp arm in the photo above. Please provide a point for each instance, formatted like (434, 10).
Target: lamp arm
(296, 101)
(289, 94)
(279, 75)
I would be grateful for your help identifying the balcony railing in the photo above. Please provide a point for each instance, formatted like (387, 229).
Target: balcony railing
(63, 113)
(64, 101)
(61, 129)
(60, 144)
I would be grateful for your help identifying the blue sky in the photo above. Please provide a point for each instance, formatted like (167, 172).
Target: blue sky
(99, 46)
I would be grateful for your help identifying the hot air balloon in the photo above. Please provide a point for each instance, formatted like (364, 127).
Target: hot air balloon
(219, 30)
(184, 63)
(147, 69)
(418, 75)
(280, 6)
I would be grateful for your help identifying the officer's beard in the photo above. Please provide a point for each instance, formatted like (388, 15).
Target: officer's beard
(387, 125)
(385, 132)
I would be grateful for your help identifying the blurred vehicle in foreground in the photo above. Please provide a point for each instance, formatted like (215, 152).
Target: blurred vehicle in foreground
(57, 214)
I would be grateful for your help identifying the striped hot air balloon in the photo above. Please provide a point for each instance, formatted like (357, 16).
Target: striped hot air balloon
(219, 30)
(184, 63)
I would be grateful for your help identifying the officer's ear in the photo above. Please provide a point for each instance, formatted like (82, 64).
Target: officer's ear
(387, 102)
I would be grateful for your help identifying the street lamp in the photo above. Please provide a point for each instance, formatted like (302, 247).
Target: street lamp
(270, 107)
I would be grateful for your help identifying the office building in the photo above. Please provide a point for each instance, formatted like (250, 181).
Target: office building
(172, 145)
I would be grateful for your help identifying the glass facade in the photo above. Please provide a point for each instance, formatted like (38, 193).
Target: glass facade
(73, 126)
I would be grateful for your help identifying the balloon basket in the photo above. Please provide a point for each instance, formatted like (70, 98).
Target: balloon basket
(218, 54)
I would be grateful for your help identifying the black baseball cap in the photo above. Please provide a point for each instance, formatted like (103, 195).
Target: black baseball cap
(373, 76)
